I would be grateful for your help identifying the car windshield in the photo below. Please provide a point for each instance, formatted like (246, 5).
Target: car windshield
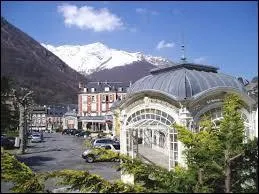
(36, 135)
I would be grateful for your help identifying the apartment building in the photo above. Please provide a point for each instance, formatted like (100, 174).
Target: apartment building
(94, 102)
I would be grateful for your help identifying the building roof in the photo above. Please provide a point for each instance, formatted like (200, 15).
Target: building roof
(70, 113)
(59, 109)
(39, 110)
(92, 118)
(96, 118)
(100, 86)
(56, 111)
(185, 80)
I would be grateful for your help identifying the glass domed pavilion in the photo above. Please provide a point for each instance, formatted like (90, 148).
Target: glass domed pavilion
(180, 93)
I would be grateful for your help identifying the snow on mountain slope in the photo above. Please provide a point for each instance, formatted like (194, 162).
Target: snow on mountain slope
(94, 57)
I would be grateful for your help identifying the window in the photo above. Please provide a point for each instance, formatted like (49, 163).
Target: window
(103, 98)
(158, 112)
(117, 147)
(106, 89)
(175, 147)
(161, 140)
(84, 107)
(107, 147)
(148, 116)
(175, 137)
(93, 107)
(101, 141)
(84, 99)
(111, 98)
(103, 107)
(93, 98)
(92, 89)
(175, 156)
(84, 103)
(110, 141)
(120, 89)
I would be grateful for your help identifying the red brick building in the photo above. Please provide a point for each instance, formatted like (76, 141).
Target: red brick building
(96, 98)
(94, 102)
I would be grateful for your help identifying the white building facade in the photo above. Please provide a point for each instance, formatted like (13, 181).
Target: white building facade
(180, 94)
(38, 118)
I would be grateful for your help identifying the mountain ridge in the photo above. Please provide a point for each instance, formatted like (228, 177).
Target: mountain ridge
(34, 67)
(91, 58)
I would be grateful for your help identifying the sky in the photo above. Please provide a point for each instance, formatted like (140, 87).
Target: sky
(221, 34)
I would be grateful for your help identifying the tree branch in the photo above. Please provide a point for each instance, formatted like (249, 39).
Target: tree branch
(29, 93)
(235, 157)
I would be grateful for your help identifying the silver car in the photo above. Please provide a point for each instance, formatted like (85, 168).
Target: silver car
(90, 156)
(103, 141)
(35, 138)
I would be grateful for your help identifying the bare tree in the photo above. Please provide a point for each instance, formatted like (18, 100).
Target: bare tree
(24, 101)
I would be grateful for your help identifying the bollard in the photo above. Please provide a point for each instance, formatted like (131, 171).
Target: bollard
(17, 142)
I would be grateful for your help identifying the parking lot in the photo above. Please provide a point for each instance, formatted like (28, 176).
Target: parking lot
(58, 152)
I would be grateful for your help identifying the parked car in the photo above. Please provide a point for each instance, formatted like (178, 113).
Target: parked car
(35, 131)
(3, 135)
(49, 131)
(65, 132)
(29, 134)
(74, 132)
(102, 141)
(90, 156)
(68, 131)
(83, 133)
(7, 142)
(35, 138)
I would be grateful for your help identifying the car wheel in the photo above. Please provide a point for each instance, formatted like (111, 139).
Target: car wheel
(90, 159)
(115, 160)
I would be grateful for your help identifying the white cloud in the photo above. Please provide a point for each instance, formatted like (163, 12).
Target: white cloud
(87, 17)
(141, 10)
(200, 60)
(163, 44)
(146, 11)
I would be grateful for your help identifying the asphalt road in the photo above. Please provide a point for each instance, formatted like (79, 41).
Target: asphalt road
(62, 152)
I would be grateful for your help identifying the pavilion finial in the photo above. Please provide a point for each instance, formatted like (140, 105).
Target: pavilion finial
(183, 58)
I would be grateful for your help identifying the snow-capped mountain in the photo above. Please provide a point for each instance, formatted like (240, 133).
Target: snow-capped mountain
(95, 57)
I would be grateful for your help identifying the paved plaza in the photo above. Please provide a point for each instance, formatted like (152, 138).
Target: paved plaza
(62, 152)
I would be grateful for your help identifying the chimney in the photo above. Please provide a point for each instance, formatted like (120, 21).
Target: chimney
(85, 89)
(130, 83)
(80, 85)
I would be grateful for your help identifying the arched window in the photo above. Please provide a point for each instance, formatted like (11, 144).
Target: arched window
(150, 114)
(216, 115)
(155, 125)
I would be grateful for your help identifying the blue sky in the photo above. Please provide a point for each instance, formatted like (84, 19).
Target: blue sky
(222, 34)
